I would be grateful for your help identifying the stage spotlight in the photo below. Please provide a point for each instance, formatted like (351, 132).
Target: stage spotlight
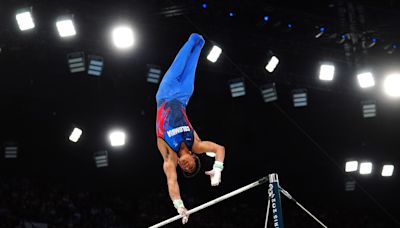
(272, 63)
(96, 64)
(75, 135)
(123, 37)
(117, 138)
(387, 170)
(204, 5)
(10, 151)
(269, 93)
(365, 168)
(266, 18)
(351, 166)
(65, 26)
(214, 54)
(327, 72)
(76, 62)
(231, 14)
(391, 85)
(369, 109)
(237, 87)
(366, 80)
(101, 158)
(25, 19)
(299, 98)
(153, 74)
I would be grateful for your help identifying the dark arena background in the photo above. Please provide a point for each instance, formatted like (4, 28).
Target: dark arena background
(326, 119)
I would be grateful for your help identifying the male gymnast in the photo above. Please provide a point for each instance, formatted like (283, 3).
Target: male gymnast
(177, 141)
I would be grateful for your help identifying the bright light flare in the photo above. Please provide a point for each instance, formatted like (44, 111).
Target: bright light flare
(123, 37)
(66, 28)
(366, 80)
(273, 62)
(25, 20)
(117, 138)
(75, 135)
(351, 166)
(326, 72)
(365, 168)
(391, 85)
(214, 54)
(387, 170)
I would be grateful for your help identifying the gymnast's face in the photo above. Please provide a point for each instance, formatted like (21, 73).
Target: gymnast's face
(187, 163)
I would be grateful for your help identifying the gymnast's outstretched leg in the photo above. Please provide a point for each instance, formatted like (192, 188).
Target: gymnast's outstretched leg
(170, 84)
(188, 76)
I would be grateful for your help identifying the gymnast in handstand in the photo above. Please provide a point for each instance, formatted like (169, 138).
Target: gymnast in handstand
(177, 141)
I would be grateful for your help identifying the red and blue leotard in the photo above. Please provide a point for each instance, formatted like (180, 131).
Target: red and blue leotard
(173, 126)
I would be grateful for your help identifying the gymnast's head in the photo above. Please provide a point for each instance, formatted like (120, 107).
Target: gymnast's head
(189, 162)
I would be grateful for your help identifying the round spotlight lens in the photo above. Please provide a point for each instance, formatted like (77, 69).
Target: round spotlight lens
(392, 85)
(123, 37)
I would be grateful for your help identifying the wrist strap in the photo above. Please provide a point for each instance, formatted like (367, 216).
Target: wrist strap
(178, 203)
(218, 165)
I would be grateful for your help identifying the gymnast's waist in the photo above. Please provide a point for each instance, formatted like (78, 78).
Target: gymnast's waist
(174, 140)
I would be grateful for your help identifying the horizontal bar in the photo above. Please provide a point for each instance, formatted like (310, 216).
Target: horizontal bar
(212, 202)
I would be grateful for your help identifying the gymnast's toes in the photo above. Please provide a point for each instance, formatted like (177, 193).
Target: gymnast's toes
(201, 41)
(196, 37)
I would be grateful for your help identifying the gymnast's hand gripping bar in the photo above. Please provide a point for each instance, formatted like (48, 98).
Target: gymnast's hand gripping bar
(212, 202)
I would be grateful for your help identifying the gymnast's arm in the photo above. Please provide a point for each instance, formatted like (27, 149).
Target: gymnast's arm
(200, 147)
(170, 163)
(169, 166)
